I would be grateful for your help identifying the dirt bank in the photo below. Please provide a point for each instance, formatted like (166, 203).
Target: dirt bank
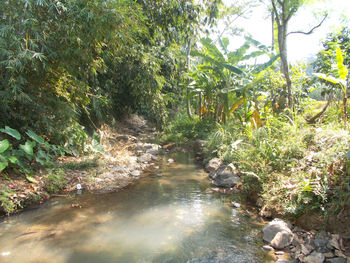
(128, 152)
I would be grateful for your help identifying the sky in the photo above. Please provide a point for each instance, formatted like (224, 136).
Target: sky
(300, 47)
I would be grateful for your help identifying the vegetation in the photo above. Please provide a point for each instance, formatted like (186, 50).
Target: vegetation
(68, 67)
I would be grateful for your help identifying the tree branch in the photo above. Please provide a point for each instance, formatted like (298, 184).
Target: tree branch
(312, 29)
(276, 13)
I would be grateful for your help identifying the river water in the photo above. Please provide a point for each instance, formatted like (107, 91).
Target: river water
(166, 216)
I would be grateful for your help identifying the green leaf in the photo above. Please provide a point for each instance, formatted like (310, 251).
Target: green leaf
(14, 133)
(342, 70)
(13, 159)
(233, 69)
(31, 179)
(3, 165)
(28, 147)
(97, 146)
(35, 137)
(4, 145)
(331, 79)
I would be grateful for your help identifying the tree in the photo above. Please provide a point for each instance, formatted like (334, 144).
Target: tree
(283, 11)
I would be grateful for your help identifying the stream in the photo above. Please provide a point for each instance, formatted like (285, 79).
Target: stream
(166, 216)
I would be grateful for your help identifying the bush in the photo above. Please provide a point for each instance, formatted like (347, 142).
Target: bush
(182, 128)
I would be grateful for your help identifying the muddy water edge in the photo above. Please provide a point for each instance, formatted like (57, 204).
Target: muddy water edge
(169, 215)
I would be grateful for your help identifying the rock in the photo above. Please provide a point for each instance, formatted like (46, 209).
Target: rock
(336, 260)
(320, 242)
(328, 255)
(235, 204)
(144, 158)
(135, 173)
(153, 152)
(278, 234)
(334, 242)
(314, 257)
(338, 253)
(283, 261)
(268, 248)
(306, 249)
(225, 176)
(213, 165)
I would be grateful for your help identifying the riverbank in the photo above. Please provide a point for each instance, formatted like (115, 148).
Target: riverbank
(287, 169)
(127, 154)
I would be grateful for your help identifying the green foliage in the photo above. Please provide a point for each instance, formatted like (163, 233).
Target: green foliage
(223, 81)
(292, 166)
(21, 156)
(55, 181)
(7, 204)
(182, 129)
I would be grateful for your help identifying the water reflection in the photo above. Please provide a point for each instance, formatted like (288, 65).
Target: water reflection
(171, 218)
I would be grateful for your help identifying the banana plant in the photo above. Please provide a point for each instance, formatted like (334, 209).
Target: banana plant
(341, 80)
(222, 79)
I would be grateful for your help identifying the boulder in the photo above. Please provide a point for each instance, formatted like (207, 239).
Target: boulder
(225, 176)
(213, 165)
(314, 257)
(278, 234)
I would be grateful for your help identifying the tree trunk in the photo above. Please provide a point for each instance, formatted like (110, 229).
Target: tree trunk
(273, 30)
(282, 43)
(188, 61)
(200, 105)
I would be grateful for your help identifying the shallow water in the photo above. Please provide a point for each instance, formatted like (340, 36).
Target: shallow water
(167, 218)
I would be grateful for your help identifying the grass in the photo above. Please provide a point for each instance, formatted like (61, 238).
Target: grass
(55, 181)
(298, 167)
